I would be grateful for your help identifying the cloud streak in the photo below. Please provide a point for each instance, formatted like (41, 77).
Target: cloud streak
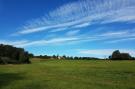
(121, 40)
(105, 52)
(53, 41)
(14, 43)
(72, 32)
(81, 25)
(82, 14)
(73, 38)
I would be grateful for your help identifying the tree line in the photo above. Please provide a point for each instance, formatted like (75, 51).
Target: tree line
(65, 57)
(13, 55)
(116, 55)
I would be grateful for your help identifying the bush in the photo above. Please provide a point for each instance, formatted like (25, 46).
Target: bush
(13, 55)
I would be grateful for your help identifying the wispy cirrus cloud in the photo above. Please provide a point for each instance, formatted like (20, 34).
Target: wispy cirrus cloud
(121, 40)
(72, 37)
(58, 29)
(118, 36)
(116, 33)
(72, 32)
(122, 15)
(83, 13)
(82, 25)
(104, 52)
(14, 43)
(53, 41)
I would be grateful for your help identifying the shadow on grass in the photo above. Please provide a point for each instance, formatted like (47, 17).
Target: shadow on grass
(7, 78)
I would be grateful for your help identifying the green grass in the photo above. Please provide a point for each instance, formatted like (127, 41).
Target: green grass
(69, 74)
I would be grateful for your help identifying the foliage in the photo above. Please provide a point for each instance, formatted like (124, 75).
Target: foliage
(13, 55)
(116, 55)
(65, 57)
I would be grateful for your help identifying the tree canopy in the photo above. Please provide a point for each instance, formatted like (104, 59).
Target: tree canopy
(116, 55)
(13, 55)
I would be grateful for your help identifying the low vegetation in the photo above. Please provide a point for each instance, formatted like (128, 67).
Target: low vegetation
(69, 74)
(73, 73)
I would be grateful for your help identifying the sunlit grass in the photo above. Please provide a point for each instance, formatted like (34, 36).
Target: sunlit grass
(69, 74)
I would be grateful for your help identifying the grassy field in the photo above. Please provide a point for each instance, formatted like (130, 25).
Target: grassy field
(69, 74)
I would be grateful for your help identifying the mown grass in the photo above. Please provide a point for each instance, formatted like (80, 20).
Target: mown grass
(69, 74)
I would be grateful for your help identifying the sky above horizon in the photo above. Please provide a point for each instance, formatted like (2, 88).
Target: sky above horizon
(93, 28)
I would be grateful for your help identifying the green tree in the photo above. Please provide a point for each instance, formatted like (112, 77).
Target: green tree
(10, 54)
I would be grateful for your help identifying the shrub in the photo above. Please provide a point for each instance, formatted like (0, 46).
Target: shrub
(13, 55)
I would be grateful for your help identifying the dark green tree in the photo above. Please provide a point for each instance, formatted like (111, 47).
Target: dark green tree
(10, 54)
(116, 55)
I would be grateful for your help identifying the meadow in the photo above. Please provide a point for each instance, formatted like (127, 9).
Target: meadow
(69, 74)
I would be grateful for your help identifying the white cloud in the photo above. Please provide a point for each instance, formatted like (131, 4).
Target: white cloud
(81, 25)
(69, 39)
(123, 15)
(58, 29)
(33, 30)
(72, 32)
(116, 33)
(82, 14)
(72, 37)
(14, 43)
(105, 52)
(53, 41)
(121, 40)
(97, 52)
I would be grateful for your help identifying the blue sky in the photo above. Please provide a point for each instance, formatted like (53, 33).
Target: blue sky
(92, 28)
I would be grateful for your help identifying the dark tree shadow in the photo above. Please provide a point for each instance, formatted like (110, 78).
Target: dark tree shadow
(7, 78)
